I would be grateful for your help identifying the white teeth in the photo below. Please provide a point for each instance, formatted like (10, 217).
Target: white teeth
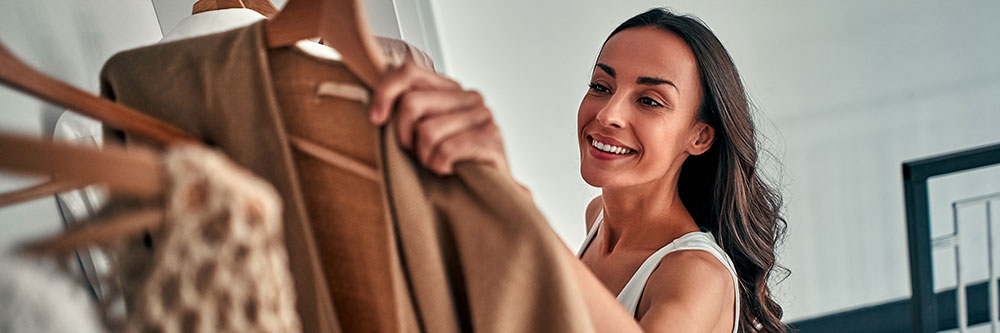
(609, 148)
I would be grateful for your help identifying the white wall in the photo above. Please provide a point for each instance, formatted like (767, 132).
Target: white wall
(847, 91)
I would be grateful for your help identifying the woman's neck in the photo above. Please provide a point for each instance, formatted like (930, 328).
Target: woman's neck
(644, 216)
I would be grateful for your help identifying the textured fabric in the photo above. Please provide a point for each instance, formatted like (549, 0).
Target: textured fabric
(71, 126)
(697, 240)
(219, 263)
(471, 251)
(480, 254)
(364, 296)
(214, 87)
(347, 212)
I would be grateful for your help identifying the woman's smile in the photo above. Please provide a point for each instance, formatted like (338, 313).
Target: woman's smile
(606, 148)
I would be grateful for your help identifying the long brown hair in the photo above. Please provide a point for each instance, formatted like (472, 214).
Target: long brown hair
(722, 188)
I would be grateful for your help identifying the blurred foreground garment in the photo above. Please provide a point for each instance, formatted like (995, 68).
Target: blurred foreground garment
(35, 297)
(397, 250)
(219, 264)
(203, 252)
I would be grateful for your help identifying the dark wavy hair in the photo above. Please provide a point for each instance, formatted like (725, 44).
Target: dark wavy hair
(723, 188)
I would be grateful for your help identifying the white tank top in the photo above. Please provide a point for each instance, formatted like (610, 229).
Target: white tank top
(697, 240)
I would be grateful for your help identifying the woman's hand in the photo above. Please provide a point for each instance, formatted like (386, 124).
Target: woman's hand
(437, 120)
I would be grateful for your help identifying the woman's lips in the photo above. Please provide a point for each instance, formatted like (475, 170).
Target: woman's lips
(606, 140)
(608, 149)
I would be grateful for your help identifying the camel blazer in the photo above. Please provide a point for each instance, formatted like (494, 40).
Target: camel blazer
(474, 251)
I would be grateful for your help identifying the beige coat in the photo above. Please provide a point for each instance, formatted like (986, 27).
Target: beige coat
(473, 250)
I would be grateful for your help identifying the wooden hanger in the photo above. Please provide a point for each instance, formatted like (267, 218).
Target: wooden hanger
(18, 75)
(264, 7)
(137, 173)
(210, 5)
(114, 228)
(341, 24)
(47, 188)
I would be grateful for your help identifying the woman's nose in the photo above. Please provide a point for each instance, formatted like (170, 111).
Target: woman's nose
(613, 114)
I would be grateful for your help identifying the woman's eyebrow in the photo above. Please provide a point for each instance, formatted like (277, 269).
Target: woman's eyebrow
(607, 69)
(652, 81)
(643, 80)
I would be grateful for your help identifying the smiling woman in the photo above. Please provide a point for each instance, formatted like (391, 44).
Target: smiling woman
(685, 229)
(666, 92)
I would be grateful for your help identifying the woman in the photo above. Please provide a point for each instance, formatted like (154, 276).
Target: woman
(665, 131)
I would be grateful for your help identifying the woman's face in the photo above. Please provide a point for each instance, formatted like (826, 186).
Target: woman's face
(637, 123)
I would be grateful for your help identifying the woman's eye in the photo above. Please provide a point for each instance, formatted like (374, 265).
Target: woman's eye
(598, 87)
(650, 102)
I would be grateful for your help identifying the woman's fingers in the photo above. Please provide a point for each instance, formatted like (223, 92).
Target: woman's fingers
(432, 131)
(406, 78)
(416, 107)
(438, 120)
(482, 144)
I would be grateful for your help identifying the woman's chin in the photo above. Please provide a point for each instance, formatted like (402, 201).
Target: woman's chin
(602, 178)
(597, 178)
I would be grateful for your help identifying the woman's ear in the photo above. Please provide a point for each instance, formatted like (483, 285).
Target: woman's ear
(706, 136)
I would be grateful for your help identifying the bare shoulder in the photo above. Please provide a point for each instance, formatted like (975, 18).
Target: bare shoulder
(695, 270)
(593, 209)
(690, 290)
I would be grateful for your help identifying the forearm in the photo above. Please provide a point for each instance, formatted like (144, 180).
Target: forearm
(606, 314)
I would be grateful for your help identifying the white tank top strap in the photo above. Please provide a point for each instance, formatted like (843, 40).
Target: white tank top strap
(629, 296)
(590, 234)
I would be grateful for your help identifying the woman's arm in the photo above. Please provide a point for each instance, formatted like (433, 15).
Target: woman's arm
(606, 313)
(691, 296)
